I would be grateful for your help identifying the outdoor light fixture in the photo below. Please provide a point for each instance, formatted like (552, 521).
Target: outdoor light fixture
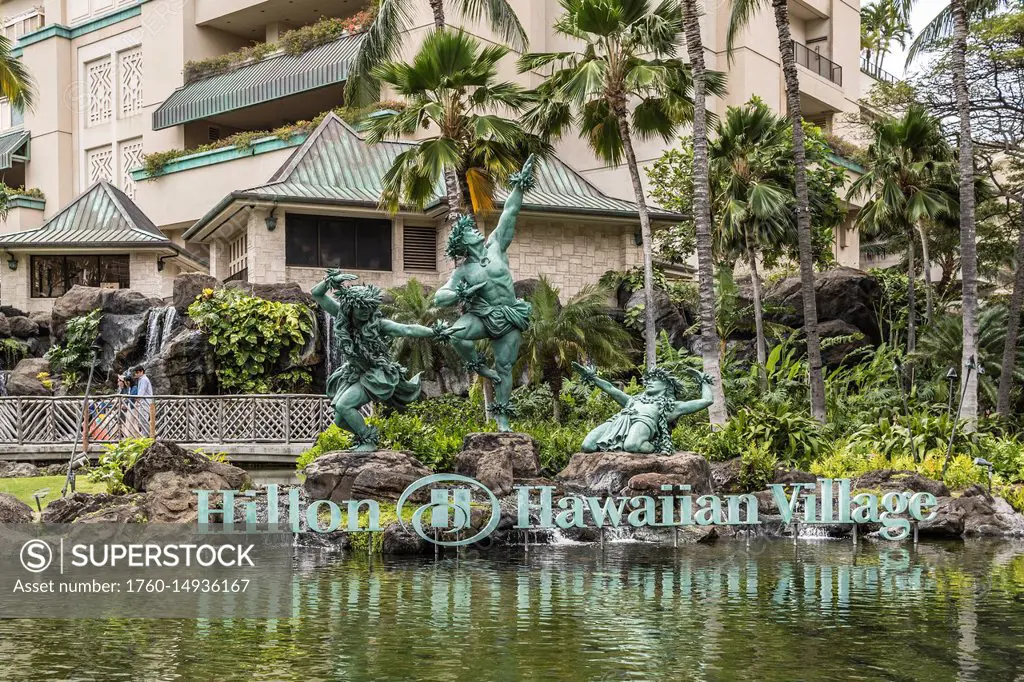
(12, 262)
(271, 219)
(982, 462)
(160, 263)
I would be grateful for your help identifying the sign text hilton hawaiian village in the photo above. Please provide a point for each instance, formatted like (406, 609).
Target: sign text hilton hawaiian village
(829, 501)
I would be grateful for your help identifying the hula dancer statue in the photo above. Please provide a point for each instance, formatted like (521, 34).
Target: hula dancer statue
(370, 373)
(482, 283)
(644, 424)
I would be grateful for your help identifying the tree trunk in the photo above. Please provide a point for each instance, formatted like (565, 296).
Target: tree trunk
(717, 412)
(803, 211)
(968, 233)
(762, 350)
(911, 297)
(650, 334)
(926, 268)
(437, 7)
(1012, 329)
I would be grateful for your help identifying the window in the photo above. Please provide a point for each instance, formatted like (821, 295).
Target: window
(53, 276)
(335, 242)
(419, 248)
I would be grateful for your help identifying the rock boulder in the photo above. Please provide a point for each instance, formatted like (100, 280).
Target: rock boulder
(23, 327)
(523, 451)
(188, 286)
(493, 468)
(24, 380)
(185, 365)
(288, 292)
(613, 473)
(98, 508)
(18, 470)
(895, 480)
(347, 475)
(845, 294)
(13, 510)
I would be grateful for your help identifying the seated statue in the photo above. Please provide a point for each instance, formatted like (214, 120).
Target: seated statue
(644, 424)
(370, 373)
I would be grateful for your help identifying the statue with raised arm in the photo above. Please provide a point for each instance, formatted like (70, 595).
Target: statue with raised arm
(482, 284)
(644, 424)
(370, 372)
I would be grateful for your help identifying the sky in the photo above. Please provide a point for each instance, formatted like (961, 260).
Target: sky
(923, 12)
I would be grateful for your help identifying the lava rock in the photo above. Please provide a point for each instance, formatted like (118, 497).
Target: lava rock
(725, 476)
(668, 317)
(13, 510)
(845, 294)
(187, 288)
(523, 451)
(287, 292)
(23, 327)
(5, 326)
(18, 470)
(42, 321)
(612, 473)
(98, 508)
(493, 468)
(164, 457)
(788, 476)
(24, 380)
(399, 541)
(835, 353)
(895, 480)
(347, 475)
(185, 365)
(122, 338)
(83, 300)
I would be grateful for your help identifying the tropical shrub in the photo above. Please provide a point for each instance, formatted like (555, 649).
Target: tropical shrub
(116, 459)
(72, 359)
(757, 467)
(794, 437)
(251, 337)
(334, 438)
(12, 352)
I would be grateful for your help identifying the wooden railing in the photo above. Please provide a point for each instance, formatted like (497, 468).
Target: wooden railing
(185, 419)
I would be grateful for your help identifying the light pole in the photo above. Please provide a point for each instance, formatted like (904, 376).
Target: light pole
(951, 378)
(971, 366)
(69, 481)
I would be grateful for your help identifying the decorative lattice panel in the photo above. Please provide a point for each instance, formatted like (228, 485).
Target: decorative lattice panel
(306, 419)
(99, 164)
(131, 157)
(129, 65)
(270, 421)
(99, 90)
(9, 421)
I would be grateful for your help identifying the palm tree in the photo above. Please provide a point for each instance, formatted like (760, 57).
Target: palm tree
(751, 167)
(628, 54)
(882, 22)
(15, 82)
(952, 22)
(702, 208)
(578, 331)
(383, 40)
(742, 12)
(1010, 346)
(451, 86)
(412, 303)
(906, 186)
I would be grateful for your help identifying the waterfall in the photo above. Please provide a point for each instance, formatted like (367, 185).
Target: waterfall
(3, 382)
(158, 331)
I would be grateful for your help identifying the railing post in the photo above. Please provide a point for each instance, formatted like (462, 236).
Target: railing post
(21, 423)
(85, 428)
(287, 419)
(152, 418)
(220, 419)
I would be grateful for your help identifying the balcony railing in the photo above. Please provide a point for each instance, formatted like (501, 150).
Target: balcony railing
(877, 72)
(823, 66)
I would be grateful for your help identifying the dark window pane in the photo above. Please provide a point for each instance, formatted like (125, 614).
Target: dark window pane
(373, 244)
(337, 243)
(114, 272)
(300, 247)
(83, 270)
(47, 276)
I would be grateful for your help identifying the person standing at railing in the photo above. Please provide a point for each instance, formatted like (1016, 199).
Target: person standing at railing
(144, 393)
(124, 418)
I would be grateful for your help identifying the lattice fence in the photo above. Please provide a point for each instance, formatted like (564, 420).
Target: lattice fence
(184, 419)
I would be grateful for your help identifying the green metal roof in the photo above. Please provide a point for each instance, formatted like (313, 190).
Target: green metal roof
(11, 145)
(336, 166)
(101, 217)
(263, 81)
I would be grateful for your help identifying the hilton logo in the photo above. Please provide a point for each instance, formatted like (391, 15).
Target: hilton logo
(450, 509)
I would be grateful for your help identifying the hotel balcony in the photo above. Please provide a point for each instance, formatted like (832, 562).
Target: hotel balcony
(254, 19)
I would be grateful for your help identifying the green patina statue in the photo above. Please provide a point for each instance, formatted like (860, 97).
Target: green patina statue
(482, 283)
(370, 373)
(644, 424)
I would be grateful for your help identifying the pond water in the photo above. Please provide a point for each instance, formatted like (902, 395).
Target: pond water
(771, 611)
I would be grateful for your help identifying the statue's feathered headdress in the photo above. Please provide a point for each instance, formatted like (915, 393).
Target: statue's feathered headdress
(659, 374)
(361, 296)
(456, 247)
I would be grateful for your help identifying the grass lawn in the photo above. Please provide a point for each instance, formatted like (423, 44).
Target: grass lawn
(24, 488)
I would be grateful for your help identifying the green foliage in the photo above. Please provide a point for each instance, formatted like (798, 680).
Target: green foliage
(73, 357)
(1014, 494)
(12, 351)
(413, 303)
(794, 437)
(252, 338)
(116, 459)
(293, 42)
(757, 467)
(334, 438)
(155, 163)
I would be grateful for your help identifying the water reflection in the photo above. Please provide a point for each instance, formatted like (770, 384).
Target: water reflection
(778, 611)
